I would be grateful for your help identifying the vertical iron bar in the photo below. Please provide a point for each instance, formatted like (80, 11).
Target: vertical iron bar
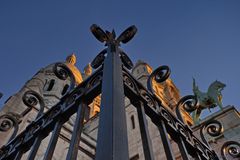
(146, 141)
(53, 141)
(112, 143)
(165, 140)
(198, 157)
(78, 126)
(183, 149)
(18, 155)
(35, 147)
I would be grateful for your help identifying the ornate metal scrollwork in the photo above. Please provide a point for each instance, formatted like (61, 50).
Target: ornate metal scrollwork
(63, 72)
(73, 96)
(53, 113)
(98, 60)
(184, 131)
(6, 122)
(126, 60)
(94, 80)
(130, 82)
(34, 128)
(9, 121)
(231, 148)
(168, 117)
(32, 99)
(148, 98)
(188, 103)
(213, 127)
(159, 75)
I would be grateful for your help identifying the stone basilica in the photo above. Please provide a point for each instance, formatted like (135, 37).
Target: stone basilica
(17, 114)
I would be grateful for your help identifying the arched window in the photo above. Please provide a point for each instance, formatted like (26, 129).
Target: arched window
(65, 88)
(51, 84)
(132, 122)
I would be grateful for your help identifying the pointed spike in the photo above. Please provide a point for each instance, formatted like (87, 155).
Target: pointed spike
(113, 34)
(108, 34)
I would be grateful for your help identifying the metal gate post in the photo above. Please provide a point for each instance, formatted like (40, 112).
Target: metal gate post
(112, 143)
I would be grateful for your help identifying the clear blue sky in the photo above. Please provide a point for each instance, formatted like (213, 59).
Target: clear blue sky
(197, 38)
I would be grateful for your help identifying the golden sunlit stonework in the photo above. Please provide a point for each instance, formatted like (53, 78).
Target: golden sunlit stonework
(71, 60)
(166, 91)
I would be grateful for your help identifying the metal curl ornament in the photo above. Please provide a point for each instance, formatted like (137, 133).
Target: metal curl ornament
(98, 60)
(149, 99)
(232, 148)
(130, 82)
(213, 127)
(63, 72)
(9, 121)
(126, 60)
(95, 79)
(6, 122)
(107, 36)
(160, 74)
(32, 99)
(110, 40)
(188, 103)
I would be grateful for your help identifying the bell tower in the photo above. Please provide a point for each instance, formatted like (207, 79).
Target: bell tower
(166, 91)
(38, 94)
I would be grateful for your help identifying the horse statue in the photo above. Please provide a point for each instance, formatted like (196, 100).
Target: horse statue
(210, 99)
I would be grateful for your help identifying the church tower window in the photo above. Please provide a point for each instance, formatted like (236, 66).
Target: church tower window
(133, 122)
(51, 84)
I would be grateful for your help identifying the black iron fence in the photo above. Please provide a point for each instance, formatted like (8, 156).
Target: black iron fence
(113, 81)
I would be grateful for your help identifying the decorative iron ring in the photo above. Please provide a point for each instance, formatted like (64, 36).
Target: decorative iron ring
(63, 73)
(128, 34)
(98, 33)
(232, 148)
(126, 60)
(98, 60)
(130, 82)
(7, 122)
(31, 98)
(160, 74)
(149, 99)
(188, 103)
(214, 128)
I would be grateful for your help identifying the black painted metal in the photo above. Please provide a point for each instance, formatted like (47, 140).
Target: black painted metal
(53, 141)
(112, 134)
(114, 82)
(18, 156)
(146, 141)
(166, 142)
(78, 126)
(35, 147)
(183, 149)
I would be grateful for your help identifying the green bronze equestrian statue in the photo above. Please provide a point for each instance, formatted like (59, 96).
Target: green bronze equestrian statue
(210, 99)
